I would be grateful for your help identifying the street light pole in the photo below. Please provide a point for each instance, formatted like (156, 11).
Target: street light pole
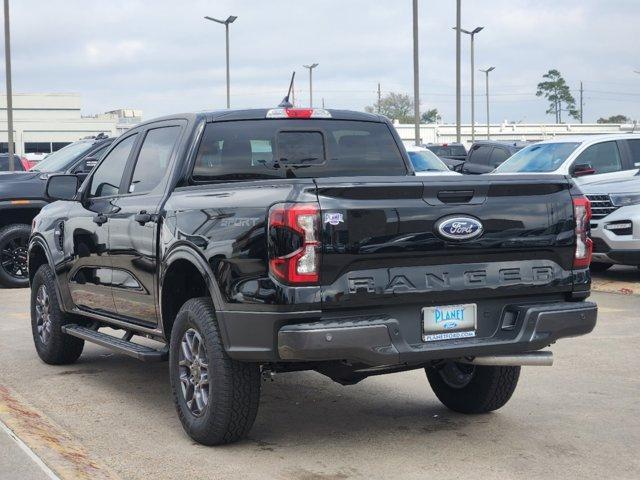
(472, 34)
(416, 76)
(7, 59)
(486, 72)
(458, 82)
(226, 24)
(311, 67)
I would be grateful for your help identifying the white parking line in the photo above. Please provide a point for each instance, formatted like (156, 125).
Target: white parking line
(43, 466)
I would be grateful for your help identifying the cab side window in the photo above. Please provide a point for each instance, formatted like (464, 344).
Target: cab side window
(602, 157)
(634, 147)
(480, 155)
(153, 159)
(107, 177)
(498, 155)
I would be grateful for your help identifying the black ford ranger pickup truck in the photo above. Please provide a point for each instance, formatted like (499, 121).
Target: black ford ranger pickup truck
(243, 243)
(22, 195)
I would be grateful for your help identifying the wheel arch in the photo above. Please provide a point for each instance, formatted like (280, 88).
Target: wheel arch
(180, 264)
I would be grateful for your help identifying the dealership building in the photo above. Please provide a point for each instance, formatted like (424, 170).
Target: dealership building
(46, 122)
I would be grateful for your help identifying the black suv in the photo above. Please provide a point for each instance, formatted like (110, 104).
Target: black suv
(486, 155)
(22, 195)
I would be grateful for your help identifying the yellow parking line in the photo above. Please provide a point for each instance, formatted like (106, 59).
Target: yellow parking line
(49, 442)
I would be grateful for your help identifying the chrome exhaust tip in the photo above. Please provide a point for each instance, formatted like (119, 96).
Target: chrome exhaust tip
(537, 359)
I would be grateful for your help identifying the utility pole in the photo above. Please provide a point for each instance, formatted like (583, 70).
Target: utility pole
(379, 97)
(416, 76)
(472, 34)
(226, 24)
(7, 59)
(458, 84)
(486, 72)
(322, 102)
(311, 67)
(581, 103)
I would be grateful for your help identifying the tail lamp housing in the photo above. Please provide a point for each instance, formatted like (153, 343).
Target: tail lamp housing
(584, 245)
(294, 243)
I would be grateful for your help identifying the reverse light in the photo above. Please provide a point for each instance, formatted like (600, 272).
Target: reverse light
(298, 113)
(584, 245)
(294, 247)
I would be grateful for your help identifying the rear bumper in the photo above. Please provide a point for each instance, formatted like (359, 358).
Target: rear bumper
(378, 340)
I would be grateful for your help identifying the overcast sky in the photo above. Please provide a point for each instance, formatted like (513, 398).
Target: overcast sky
(162, 57)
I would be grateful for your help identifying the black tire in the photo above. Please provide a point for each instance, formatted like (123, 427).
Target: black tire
(14, 240)
(476, 389)
(53, 346)
(232, 389)
(600, 266)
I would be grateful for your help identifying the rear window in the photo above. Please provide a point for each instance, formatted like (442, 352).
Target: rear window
(264, 149)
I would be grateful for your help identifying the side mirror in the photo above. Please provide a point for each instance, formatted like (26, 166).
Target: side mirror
(62, 187)
(582, 169)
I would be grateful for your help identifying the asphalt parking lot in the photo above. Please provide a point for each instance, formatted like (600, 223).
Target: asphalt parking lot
(109, 416)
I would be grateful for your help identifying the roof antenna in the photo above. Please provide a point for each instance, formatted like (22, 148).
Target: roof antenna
(285, 103)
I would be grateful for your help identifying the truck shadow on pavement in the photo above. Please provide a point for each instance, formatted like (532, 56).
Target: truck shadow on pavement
(301, 408)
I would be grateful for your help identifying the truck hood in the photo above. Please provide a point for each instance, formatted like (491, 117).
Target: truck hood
(22, 185)
(606, 187)
(17, 176)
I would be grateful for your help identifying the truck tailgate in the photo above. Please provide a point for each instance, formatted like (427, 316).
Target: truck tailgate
(380, 238)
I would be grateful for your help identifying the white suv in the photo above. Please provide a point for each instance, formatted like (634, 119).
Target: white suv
(587, 158)
(615, 222)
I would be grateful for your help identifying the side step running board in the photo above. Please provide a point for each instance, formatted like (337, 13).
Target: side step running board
(146, 354)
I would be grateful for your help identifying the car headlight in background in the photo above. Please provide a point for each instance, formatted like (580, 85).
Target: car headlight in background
(624, 199)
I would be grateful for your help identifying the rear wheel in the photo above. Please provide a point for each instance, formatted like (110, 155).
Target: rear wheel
(600, 266)
(216, 397)
(468, 388)
(53, 346)
(14, 242)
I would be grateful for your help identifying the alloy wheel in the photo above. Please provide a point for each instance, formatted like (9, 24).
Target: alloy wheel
(193, 366)
(43, 314)
(13, 257)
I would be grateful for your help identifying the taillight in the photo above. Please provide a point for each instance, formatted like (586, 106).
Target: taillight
(584, 245)
(294, 238)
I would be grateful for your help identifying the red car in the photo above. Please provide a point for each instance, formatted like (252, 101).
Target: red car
(20, 164)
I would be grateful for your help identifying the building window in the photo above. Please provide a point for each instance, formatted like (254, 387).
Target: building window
(55, 146)
(4, 147)
(37, 147)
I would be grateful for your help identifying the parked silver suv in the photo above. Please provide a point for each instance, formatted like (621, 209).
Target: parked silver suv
(615, 222)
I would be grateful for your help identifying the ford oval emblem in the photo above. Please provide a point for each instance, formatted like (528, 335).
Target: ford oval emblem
(459, 228)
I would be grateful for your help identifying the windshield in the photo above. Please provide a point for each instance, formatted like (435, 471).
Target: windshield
(63, 158)
(426, 161)
(541, 157)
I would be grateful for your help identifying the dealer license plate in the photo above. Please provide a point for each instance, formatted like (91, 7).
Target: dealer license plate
(449, 322)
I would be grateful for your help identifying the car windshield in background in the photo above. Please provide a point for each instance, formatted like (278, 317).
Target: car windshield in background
(4, 163)
(259, 149)
(426, 161)
(542, 157)
(61, 160)
(449, 150)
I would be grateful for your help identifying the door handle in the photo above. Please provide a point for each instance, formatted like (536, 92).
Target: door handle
(143, 217)
(100, 219)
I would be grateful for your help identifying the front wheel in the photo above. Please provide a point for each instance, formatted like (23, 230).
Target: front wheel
(466, 388)
(14, 242)
(53, 346)
(216, 397)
